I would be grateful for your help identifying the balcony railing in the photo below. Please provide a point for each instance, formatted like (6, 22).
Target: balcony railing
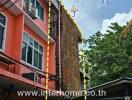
(29, 73)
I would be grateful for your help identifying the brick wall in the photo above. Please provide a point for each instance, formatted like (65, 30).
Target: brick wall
(69, 53)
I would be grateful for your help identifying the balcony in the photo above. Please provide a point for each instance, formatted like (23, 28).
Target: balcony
(26, 74)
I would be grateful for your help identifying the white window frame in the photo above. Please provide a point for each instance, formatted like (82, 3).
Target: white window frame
(28, 44)
(4, 34)
(43, 10)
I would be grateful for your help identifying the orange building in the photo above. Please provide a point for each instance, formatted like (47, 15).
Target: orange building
(23, 42)
(23, 48)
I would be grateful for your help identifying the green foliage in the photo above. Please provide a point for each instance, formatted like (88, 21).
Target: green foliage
(109, 56)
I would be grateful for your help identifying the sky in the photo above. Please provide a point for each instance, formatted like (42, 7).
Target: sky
(92, 16)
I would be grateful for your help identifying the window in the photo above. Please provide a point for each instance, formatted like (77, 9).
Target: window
(39, 9)
(32, 1)
(2, 30)
(32, 51)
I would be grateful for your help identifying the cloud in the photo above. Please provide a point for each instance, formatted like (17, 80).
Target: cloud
(91, 15)
(120, 18)
(84, 16)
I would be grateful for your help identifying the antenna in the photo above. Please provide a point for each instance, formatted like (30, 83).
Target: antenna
(103, 1)
(74, 10)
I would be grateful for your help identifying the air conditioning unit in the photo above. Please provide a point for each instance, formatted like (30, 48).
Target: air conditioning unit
(30, 10)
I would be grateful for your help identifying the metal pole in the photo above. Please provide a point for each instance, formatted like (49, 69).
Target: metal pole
(59, 46)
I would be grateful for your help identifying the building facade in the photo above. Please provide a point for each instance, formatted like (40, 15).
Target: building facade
(70, 38)
(23, 43)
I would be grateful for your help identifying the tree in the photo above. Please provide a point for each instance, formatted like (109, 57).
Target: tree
(109, 56)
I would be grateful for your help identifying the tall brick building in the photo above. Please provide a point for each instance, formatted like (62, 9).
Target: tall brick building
(70, 38)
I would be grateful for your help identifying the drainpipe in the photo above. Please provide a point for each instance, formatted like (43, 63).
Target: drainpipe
(59, 32)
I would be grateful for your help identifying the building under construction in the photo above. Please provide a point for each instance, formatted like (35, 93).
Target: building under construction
(38, 48)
